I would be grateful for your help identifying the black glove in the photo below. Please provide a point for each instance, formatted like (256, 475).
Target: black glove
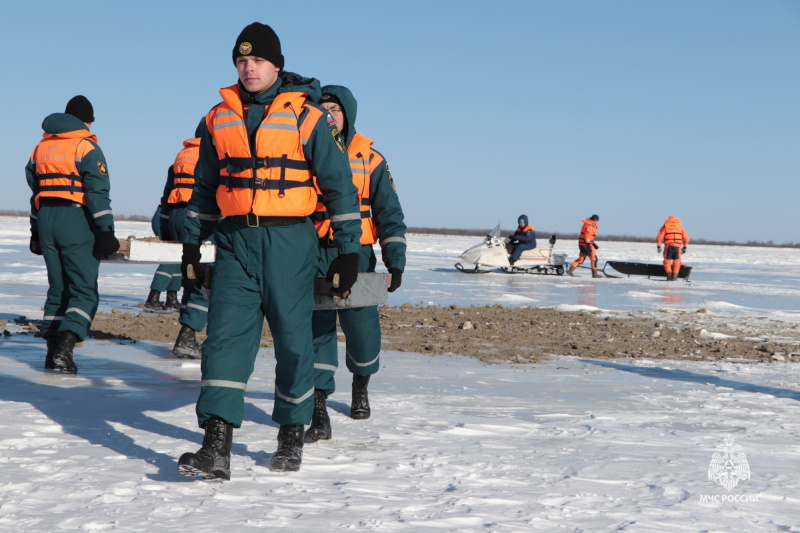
(658, 248)
(346, 265)
(34, 246)
(107, 243)
(595, 246)
(684, 250)
(397, 278)
(191, 258)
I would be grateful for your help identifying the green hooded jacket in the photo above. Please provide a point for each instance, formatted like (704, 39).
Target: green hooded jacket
(385, 204)
(96, 185)
(327, 162)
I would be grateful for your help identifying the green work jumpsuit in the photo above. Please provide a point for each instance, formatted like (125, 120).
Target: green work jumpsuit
(67, 233)
(361, 326)
(267, 271)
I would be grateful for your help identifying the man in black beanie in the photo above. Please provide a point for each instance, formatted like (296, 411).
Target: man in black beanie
(72, 226)
(80, 107)
(257, 151)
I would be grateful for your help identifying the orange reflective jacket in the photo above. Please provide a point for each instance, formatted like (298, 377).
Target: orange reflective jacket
(672, 233)
(588, 231)
(363, 161)
(57, 158)
(276, 180)
(183, 171)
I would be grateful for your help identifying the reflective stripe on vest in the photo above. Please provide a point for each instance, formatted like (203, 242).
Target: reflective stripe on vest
(276, 181)
(363, 162)
(183, 172)
(57, 159)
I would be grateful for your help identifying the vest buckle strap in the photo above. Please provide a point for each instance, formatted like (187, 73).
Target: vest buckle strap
(235, 165)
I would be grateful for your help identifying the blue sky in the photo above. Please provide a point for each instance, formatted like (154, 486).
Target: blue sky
(484, 110)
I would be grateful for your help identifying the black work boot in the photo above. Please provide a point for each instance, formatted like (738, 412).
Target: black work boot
(213, 459)
(172, 303)
(320, 428)
(289, 454)
(153, 303)
(186, 346)
(359, 408)
(62, 356)
(52, 344)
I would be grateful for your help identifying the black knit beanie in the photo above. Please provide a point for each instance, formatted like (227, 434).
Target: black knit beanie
(80, 107)
(259, 40)
(327, 97)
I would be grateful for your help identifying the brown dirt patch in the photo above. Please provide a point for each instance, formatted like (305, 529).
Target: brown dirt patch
(496, 334)
(521, 335)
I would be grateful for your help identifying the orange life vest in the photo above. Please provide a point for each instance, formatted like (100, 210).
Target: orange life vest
(57, 157)
(363, 161)
(522, 231)
(276, 180)
(672, 233)
(588, 232)
(183, 172)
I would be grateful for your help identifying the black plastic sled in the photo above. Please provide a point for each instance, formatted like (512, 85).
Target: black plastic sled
(645, 269)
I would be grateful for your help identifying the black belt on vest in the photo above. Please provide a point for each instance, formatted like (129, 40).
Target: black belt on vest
(58, 202)
(252, 220)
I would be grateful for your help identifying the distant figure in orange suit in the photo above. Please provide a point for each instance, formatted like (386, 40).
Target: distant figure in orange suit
(675, 240)
(587, 246)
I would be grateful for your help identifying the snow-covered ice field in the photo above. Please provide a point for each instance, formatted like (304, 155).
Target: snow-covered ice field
(570, 445)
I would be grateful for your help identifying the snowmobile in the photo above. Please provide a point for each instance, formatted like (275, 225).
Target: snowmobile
(492, 254)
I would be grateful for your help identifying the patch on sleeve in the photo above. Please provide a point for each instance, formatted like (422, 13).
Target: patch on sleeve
(101, 168)
(337, 138)
(391, 180)
(330, 121)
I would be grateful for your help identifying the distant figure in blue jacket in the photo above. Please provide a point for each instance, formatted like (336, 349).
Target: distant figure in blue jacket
(524, 239)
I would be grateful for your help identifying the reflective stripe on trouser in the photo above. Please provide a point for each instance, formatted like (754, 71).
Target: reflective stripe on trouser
(260, 272)
(362, 331)
(67, 240)
(194, 307)
(361, 327)
(194, 303)
(167, 278)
